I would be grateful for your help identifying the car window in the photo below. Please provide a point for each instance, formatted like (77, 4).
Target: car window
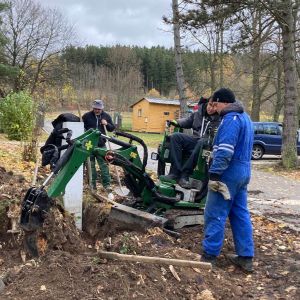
(280, 128)
(271, 129)
(258, 129)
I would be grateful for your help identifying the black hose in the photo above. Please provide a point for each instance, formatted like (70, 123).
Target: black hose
(122, 161)
(120, 143)
(132, 137)
(63, 160)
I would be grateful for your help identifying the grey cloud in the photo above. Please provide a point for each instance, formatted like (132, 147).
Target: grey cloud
(108, 22)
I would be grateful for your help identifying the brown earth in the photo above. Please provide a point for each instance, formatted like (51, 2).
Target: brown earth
(70, 267)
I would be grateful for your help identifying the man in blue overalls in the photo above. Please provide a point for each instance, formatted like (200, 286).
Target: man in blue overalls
(229, 175)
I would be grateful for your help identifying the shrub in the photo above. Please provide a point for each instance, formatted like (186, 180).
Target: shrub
(17, 114)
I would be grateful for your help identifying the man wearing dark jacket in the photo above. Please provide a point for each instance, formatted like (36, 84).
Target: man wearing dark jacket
(99, 119)
(203, 122)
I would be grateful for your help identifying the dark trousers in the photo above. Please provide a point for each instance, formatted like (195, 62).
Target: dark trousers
(191, 162)
(183, 144)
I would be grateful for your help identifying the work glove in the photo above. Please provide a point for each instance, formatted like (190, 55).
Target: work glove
(220, 187)
(173, 122)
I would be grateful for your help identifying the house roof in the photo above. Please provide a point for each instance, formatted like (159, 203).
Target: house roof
(158, 101)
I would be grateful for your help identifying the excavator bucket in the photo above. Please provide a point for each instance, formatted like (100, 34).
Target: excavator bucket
(34, 209)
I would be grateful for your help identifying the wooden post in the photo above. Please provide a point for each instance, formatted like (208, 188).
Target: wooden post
(155, 260)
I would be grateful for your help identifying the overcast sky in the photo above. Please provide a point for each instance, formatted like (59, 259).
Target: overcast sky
(110, 22)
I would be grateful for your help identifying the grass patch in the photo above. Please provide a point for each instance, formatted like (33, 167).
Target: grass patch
(150, 139)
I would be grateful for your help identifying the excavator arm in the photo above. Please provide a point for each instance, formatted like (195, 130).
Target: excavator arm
(38, 200)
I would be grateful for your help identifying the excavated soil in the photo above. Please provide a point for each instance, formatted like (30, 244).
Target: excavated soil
(70, 267)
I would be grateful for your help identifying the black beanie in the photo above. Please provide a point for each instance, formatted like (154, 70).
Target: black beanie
(202, 100)
(223, 95)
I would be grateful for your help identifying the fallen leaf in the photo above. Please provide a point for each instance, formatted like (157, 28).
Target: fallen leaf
(290, 288)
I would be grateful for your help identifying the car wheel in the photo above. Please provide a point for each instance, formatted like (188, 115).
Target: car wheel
(257, 152)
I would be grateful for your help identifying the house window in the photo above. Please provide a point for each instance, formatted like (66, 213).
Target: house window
(140, 112)
(166, 113)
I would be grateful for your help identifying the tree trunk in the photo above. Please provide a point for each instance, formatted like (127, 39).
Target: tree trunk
(178, 61)
(222, 57)
(256, 101)
(279, 99)
(256, 70)
(289, 150)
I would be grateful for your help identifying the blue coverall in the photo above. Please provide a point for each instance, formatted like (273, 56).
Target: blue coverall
(232, 165)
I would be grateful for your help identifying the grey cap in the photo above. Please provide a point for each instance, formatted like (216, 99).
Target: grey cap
(98, 104)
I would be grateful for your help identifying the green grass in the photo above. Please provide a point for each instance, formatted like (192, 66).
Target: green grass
(150, 139)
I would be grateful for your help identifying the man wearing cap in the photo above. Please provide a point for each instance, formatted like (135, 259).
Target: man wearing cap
(229, 175)
(99, 119)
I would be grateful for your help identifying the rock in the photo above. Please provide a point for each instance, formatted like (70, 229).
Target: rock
(282, 248)
(205, 295)
(238, 290)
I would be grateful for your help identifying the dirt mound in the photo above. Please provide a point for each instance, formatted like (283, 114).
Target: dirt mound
(71, 267)
(12, 187)
(60, 233)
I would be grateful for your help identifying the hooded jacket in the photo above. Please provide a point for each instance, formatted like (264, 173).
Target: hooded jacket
(233, 143)
(201, 119)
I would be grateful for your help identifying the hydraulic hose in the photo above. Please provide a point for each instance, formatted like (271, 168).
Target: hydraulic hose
(122, 161)
(131, 138)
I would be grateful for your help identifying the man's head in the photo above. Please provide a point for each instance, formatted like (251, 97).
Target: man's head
(210, 108)
(222, 98)
(97, 106)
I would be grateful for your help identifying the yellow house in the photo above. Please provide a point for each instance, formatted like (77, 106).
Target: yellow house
(151, 114)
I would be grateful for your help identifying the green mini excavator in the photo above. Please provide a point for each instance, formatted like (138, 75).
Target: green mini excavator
(166, 199)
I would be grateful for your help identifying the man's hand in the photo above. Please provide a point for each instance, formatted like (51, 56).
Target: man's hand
(220, 187)
(103, 122)
(173, 122)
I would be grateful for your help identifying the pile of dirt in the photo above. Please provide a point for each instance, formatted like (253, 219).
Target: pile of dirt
(72, 268)
(12, 187)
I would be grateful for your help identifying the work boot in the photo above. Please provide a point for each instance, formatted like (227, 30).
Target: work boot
(205, 257)
(184, 183)
(245, 263)
(168, 177)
